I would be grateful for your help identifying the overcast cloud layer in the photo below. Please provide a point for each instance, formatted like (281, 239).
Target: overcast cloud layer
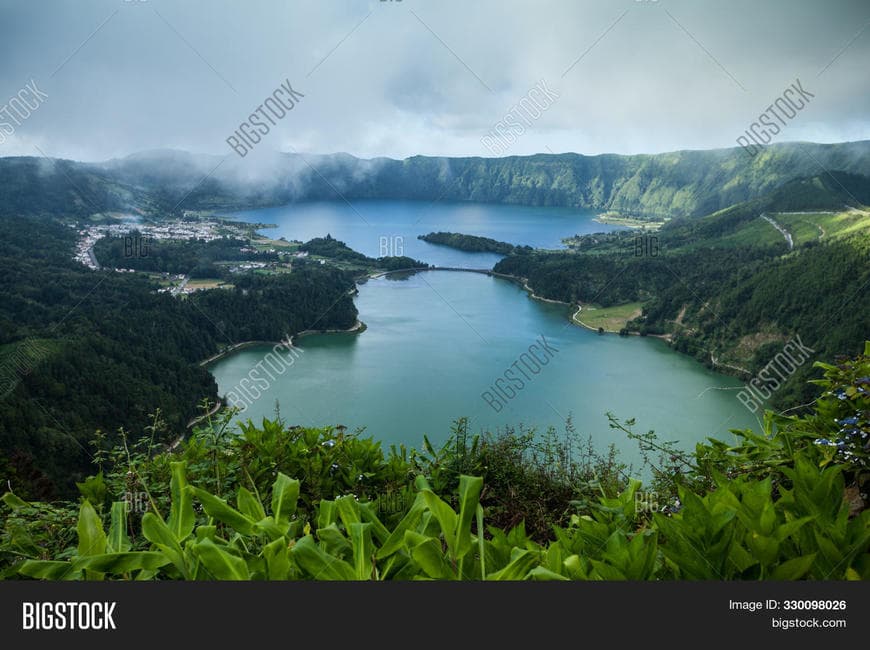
(399, 78)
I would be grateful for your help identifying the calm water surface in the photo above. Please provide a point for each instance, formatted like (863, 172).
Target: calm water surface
(437, 340)
(379, 228)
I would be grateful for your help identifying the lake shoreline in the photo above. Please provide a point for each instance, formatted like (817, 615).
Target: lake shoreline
(357, 328)
(361, 382)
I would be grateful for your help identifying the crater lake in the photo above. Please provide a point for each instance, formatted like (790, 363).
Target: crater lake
(437, 341)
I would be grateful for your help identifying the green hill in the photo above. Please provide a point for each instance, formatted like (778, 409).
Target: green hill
(727, 288)
(680, 183)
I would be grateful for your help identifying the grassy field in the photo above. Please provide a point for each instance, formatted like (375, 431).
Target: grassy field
(206, 283)
(264, 243)
(611, 319)
(629, 222)
(803, 227)
(806, 227)
(753, 233)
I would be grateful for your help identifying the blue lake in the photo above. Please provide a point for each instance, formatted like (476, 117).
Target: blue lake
(437, 341)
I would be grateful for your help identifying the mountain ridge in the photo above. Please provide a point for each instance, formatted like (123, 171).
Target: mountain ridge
(685, 183)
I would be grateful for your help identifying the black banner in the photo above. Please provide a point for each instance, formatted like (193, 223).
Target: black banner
(676, 614)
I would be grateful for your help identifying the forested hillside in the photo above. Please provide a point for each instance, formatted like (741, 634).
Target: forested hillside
(469, 243)
(727, 288)
(109, 349)
(85, 350)
(672, 184)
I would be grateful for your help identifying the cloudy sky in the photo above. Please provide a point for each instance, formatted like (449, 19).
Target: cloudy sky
(398, 78)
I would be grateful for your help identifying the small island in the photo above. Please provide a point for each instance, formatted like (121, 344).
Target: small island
(339, 254)
(470, 243)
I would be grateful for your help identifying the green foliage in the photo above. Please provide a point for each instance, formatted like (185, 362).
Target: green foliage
(774, 506)
(529, 477)
(194, 257)
(676, 183)
(337, 250)
(835, 432)
(471, 243)
(721, 292)
(123, 350)
(738, 531)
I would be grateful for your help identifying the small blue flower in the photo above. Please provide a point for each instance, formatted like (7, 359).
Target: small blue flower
(852, 420)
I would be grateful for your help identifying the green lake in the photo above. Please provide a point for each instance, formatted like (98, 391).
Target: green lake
(436, 341)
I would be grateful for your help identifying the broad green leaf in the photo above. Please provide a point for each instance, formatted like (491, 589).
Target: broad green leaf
(446, 518)
(181, 514)
(93, 489)
(469, 497)
(333, 541)
(348, 510)
(361, 539)
(206, 532)
(119, 563)
(277, 560)
(14, 501)
(117, 541)
(285, 494)
(270, 528)
(647, 553)
(220, 510)
(789, 528)
(574, 567)
(409, 521)
(92, 539)
(222, 564)
(480, 542)
(379, 531)
(794, 569)
(319, 564)
(157, 532)
(49, 570)
(250, 505)
(426, 552)
(542, 573)
(606, 571)
(326, 513)
(521, 563)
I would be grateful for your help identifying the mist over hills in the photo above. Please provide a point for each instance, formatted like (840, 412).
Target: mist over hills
(675, 184)
(727, 289)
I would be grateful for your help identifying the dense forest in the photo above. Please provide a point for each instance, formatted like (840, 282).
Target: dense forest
(194, 257)
(84, 350)
(669, 184)
(470, 243)
(334, 249)
(680, 183)
(719, 287)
